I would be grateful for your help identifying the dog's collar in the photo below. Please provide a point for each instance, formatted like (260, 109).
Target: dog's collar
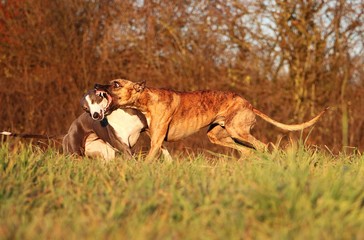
(104, 122)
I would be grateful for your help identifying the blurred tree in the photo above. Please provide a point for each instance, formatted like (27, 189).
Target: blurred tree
(289, 58)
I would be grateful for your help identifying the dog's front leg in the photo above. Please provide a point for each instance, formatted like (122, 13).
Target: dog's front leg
(157, 136)
(153, 153)
(155, 146)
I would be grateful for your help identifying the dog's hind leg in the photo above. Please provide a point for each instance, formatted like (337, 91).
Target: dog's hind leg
(96, 147)
(239, 126)
(246, 139)
(218, 135)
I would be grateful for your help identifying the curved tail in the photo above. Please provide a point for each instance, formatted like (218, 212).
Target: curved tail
(293, 127)
(28, 135)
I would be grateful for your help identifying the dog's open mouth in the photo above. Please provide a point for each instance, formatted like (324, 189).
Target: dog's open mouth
(105, 95)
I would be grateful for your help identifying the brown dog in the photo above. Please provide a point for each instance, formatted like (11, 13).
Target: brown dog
(174, 115)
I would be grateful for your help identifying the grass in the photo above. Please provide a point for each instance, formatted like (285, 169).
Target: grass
(294, 194)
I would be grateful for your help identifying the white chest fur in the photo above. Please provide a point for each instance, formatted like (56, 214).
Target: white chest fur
(127, 127)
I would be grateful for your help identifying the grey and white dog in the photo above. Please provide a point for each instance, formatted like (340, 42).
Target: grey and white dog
(118, 131)
(88, 135)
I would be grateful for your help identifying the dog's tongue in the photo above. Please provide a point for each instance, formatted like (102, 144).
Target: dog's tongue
(109, 100)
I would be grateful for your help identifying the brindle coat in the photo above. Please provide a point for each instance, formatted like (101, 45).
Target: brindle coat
(173, 115)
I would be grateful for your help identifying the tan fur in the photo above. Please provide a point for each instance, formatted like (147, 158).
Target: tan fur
(174, 115)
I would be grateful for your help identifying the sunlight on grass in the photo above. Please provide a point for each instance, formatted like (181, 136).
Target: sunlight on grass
(298, 193)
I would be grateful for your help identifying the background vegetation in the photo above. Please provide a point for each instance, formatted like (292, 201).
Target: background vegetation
(296, 194)
(291, 59)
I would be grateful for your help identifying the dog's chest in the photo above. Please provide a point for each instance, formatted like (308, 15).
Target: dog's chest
(124, 124)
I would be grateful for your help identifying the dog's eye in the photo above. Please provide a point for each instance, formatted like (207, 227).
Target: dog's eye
(117, 85)
(85, 108)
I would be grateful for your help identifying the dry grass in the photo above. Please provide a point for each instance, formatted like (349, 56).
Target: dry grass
(298, 193)
(311, 58)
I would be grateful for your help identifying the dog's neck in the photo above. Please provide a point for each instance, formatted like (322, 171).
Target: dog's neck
(144, 100)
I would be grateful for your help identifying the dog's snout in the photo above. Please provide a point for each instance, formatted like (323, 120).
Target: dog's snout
(101, 87)
(97, 86)
(96, 115)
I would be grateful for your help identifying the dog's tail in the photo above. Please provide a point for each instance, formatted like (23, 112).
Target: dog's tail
(293, 127)
(29, 135)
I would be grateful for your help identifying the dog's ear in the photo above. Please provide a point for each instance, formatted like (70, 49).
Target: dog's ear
(139, 86)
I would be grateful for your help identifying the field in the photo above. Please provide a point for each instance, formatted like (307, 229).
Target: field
(298, 193)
